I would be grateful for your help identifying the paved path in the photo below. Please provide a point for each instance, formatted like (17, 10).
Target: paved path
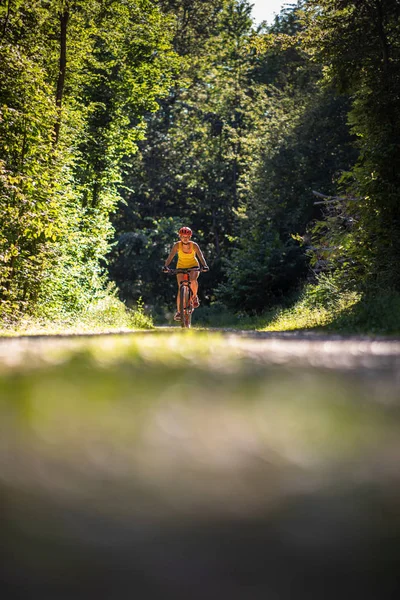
(307, 349)
(197, 466)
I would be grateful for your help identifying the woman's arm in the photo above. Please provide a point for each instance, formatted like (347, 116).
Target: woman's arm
(172, 253)
(200, 255)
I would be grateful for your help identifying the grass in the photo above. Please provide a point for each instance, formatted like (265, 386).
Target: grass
(348, 312)
(305, 313)
(375, 313)
(322, 307)
(308, 314)
(103, 316)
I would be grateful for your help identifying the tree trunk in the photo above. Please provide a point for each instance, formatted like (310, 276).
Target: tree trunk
(7, 18)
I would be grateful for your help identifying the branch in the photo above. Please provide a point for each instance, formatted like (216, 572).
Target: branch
(321, 249)
(332, 199)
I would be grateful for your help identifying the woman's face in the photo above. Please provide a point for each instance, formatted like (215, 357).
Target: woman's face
(185, 237)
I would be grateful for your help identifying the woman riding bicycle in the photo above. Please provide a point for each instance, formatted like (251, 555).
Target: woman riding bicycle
(189, 254)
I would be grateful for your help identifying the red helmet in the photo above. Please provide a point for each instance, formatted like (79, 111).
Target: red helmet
(185, 231)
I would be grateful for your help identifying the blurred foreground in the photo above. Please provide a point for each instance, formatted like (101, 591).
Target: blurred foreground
(193, 466)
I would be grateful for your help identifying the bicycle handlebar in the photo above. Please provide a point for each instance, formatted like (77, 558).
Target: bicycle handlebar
(184, 271)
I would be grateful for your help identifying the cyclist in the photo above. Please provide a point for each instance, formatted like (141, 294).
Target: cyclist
(189, 255)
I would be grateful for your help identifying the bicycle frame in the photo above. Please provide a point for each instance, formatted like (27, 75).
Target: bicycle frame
(185, 295)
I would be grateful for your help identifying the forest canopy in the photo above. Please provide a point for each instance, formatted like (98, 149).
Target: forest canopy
(121, 120)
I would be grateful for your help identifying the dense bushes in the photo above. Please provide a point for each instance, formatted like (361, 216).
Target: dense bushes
(76, 79)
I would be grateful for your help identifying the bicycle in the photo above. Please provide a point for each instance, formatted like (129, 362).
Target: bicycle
(185, 295)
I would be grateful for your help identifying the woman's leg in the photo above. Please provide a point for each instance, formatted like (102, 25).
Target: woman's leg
(194, 284)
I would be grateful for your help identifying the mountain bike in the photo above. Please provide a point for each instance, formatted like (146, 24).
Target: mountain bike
(185, 295)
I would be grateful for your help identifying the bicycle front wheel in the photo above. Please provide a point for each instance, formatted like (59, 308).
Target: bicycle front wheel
(188, 318)
(186, 309)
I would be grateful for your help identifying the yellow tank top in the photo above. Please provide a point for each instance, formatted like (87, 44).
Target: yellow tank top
(186, 260)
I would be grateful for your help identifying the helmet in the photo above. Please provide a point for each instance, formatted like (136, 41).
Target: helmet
(185, 231)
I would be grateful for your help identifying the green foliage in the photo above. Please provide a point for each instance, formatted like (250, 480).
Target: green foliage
(61, 154)
(193, 23)
(358, 43)
(137, 259)
(377, 313)
(196, 161)
(318, 305)
(181, 112)
(304, 145)
(104, 314)
(218, 315)
(28, 201)
(262, 271)
(109, 313)
(325, 306)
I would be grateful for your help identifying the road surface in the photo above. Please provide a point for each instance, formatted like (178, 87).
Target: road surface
(200, 465)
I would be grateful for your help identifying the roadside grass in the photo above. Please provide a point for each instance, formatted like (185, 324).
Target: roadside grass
(311, 310)
(376, 314)
(347, 312)
(309, 313)
(102, 316)
(321, 307)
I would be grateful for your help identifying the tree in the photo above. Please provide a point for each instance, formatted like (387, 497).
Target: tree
(76, 78)
(359, 44)
(304, 145)
(200, 145)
